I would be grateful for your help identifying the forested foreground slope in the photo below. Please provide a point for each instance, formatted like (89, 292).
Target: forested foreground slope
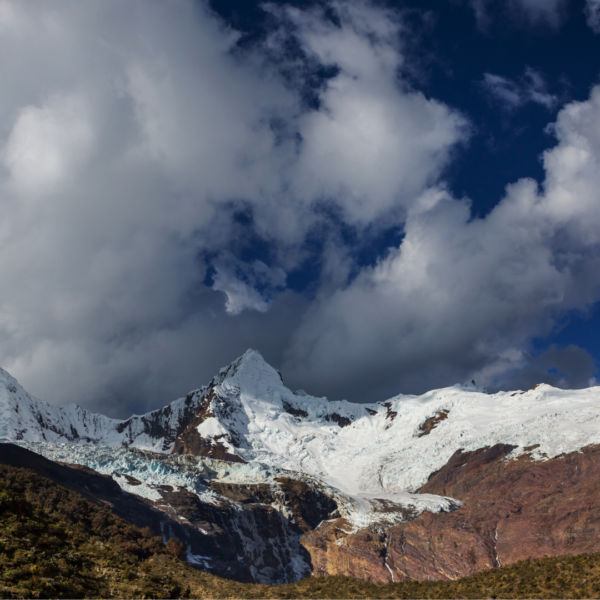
(56, 543)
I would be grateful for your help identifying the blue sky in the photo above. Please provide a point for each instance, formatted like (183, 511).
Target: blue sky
(381, 197)
(457, 46)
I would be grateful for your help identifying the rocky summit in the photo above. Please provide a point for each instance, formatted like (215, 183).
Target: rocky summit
(263, 484)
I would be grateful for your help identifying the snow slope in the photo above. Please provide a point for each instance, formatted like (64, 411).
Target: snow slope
(24, 417)
(379, 451)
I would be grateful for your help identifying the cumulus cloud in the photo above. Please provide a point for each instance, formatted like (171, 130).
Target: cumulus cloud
(143, 157)
(374, 143)
(462, 296)
(45, 144)
(131, 135)
(531, 88)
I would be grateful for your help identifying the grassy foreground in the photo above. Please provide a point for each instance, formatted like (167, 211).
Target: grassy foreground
(56, 544)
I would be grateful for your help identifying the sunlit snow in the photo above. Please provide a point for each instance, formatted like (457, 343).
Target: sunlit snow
(378, 455)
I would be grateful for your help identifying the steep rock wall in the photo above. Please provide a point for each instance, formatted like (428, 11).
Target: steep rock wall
(513, 510)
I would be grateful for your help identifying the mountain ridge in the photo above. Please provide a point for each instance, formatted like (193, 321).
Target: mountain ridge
(237, 459)
(246, 414)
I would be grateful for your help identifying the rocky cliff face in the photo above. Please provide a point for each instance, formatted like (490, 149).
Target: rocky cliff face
(513, 510)
(530, 508)
(204, 435)
(249, 532)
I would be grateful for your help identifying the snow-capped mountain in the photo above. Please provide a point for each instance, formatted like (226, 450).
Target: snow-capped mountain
(24, 417)
(347, 480)
(388, 448)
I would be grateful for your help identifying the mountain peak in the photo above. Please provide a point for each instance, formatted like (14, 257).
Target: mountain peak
(251, 373)
(252, 356)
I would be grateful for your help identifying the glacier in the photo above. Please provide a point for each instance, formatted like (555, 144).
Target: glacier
(363, 454)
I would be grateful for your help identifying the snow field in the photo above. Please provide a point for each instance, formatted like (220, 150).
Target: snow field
(380, 454)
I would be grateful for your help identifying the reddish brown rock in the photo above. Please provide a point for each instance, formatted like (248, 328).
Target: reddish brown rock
(432, 422)
(514, 510)
(190, 441)
(334, 552)
(540, 509)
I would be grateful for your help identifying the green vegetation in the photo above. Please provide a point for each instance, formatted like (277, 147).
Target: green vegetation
(56, 544)
(563, 577)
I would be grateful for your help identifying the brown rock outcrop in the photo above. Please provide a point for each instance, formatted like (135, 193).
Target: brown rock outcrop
(189, 441)
(539, 509)
(514, 510)
(335, 551)
(432, 422)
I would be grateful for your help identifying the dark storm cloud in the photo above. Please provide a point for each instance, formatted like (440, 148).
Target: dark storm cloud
(131, 134)
(127, 128)
(141, 153)
(569, 367)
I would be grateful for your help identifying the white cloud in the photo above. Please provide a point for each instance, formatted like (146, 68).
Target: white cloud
(7, 14)
(130, 134)
(463, 296)
(549, 12)
(45, 144)
(374, 144)
(530, 88)
(592, 13)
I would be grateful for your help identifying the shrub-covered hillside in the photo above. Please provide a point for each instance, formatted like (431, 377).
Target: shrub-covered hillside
(56, 544)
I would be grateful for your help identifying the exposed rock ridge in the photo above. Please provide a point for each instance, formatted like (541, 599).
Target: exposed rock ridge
(209, 406)
(432, 422)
